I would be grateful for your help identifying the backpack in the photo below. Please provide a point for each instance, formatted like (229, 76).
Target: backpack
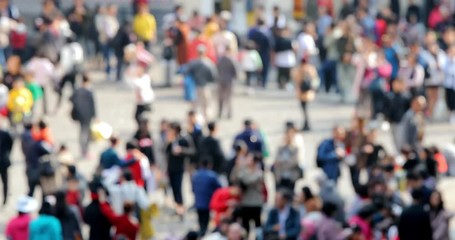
(47, 166)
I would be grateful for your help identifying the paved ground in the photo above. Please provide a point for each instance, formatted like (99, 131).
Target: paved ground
(269, 108)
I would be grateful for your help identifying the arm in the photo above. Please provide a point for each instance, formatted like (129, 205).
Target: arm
(92, 105)
(326, 153)
(294, 231)
(271, 222)
(109, 213)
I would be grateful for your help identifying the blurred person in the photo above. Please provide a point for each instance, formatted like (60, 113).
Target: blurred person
(51, 36)
(225, 39)
(227, 70)
(436, 60)
(223, 203)
(413, 123)
(413, 75)
(17, 227)
(364, 219)
(203, 72)
(137, 164)
(283, 221)
(250, 177)
(311, 220)
(144, 24)
(331, 152)
(235, 232)
(261, 36)
(4, 92)
(84, 112)
(195, 132)
(9, 10)
(307, 48)
(70, 65)
(124, 37)
(346, 74)
(305, 200)
(329, 193)
(107, 27)
(67, 217)
(12, 71)
(251, 137)
(449, 83)
(414, 222)
(286, 168)
(211, 151)
(180, 35)
(196, 22)
(46, 225)
(397, 104)
(330, 229)
(126, 225)
(211, 27)
(18, 39)
(306, 81)
(251, 64)
(415, 182)
(178, 148)
(284, 56)
(143, 91)
(6, 146)
(43, 72)
(240, 152)
(99, 224)
(204, 183)
(277, 20)
(201, 39)
(144, 138)
(20, 103)
(79, 18)
(439, 217)
(109, 157)
(414, 28)
(220, 231)
(35, 89)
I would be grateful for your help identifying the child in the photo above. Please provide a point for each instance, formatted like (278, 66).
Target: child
(20, 103)
(34, 88)
(43, 133)
(251, 63)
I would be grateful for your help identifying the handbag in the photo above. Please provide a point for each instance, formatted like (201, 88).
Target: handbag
(47, 166)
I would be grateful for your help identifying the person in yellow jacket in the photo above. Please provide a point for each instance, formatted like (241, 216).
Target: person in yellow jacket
(144, 24)
(20, 102)
(147, 231)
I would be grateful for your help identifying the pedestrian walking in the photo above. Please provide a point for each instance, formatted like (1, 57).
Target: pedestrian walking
(227, 70)
(84, 112)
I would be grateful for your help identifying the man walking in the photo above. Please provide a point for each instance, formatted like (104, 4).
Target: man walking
(203, 72)
(210, 149)
(83, 112)
(227, 74)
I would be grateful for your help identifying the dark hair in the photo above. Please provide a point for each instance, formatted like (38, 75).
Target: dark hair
(367, 211)
(85, 78)
(131, 145)
(286, 194)
(417, 195)
(191, 113)
(247, 123)
(176, 127)
(61, 207)
(329, 209)
(307, 193)
(46, 208)
(128, 207)
(205, 163)
(191, 235)
(28, 125)
(42, 124)
(113, 140)
(413, 176)
(440, 206)
(127, 175)
(72, 169)
(240, 145)
(211, 126)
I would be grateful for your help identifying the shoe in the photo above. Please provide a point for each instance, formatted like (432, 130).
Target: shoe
(306, 128)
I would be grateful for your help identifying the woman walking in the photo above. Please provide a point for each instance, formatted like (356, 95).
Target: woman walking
(306, 81)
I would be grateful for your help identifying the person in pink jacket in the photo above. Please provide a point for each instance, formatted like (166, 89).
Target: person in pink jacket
(18, 227)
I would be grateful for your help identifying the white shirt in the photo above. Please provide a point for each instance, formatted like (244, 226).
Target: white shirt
(127, 192)
(3, 95)
(285, 59)
(43, 70)
(225, 39)
(306, 45)
(449, 81)
(143, 88)
(71, 55)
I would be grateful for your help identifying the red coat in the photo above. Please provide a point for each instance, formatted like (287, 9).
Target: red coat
(219, 202)
(210, 49)
(135, 169)
(123, 225)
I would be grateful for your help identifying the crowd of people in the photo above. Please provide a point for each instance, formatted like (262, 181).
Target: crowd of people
(392, 68)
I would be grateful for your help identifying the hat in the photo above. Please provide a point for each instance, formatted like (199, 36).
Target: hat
(26, 204)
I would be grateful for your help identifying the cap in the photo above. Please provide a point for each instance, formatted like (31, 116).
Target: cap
(26, 204)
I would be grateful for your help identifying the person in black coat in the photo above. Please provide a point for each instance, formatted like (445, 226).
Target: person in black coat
(100, 226)
(144, 139)
(210, 149)
(6, 144)
(414, 222)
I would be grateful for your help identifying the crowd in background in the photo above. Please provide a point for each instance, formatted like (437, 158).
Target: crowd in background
(392, 68)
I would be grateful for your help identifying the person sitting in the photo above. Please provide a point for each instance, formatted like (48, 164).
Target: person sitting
(283, 221)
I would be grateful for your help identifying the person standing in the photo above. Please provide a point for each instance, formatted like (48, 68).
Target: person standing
(143, 91)
(307, 81)
(144, 24)
(439, 217)
(227, 75)
(283, 221)
(414, 222)
(284, 55)
(331, 152)
(178, 149)
(6, 145)
(100, 226)
(205, 183)
(211, 151)
(68, 218)
(413, 123)
(84, 111)
(107, 27)
(45, 226)
(436, 60)
(261, 35)
(449, 83)
(396, 105)
(143, 136)
(203, 72)
(18, 227)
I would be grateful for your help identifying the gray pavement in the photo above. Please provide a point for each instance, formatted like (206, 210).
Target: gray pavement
(269, 108)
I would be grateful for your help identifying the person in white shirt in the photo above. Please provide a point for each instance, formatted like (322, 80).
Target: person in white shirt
(307, 45)
(43, 72)
(225, 39)
(107, 25)
(142, 85)
(413, 75)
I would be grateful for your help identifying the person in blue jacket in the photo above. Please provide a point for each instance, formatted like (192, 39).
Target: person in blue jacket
(205, 183)
(251, 137)
(283, 221)
(46, 226)
(331, 152)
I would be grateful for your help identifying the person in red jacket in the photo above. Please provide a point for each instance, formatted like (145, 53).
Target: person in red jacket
(200, 39)
(223, 201)
(126, 226)
(132, 162)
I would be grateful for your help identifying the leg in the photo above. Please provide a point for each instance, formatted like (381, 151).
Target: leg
(106, 57)
(137, 115)
(220, 101)
(306, 124)
(228, 100)
(120, 64)
(4, 176)
(280, 76)
(203, 218)
(84, 137)
(432, 94)
(265, 71)
(44, 100)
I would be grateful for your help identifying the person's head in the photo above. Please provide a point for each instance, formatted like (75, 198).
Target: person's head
(13, 64)
(235, 232)
(436, 202)
(339, 133)
(72, 171)
(19, 84)
(178, 9)
(128, 208)
(112, 10)
(418, 104)
(414, 180)
(213, 128)
(131, 146)
(367, 212)
(329, 209)
(433, 48)
(174, 130)
(4, 4)
(48, 6)
(192, 117)
(191, 235)
(322, 11)
(113, 141)
(248, 124)
(346, 58)
(201, 50)
(372, 136)
(127, 176)
(283, 197)
(398, 85)
(85, 80)
(234, 190)
(223, 227)
(42, 124)
(260, 22)
(47, 207)
(72, 184)
(240, 148)
(417, 196)
(306, 194)
(276, 11)
(143, 8)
